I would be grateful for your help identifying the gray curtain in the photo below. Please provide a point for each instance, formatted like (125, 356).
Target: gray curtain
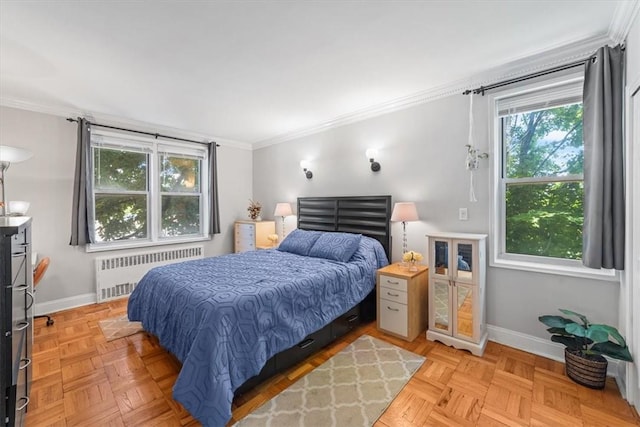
(604, 203)
(214, 213)
(81, 215)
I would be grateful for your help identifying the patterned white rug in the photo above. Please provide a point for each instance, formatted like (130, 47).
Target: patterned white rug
(119, 327)
(353, 388)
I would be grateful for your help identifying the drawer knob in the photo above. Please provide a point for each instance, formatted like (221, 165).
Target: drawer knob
(26, 361)
(22, 326)
(24, 405)
(393, 309)
(392, 282)
(393, 295)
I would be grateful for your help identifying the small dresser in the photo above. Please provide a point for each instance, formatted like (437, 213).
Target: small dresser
(402, 301)
(16, 318)
(252, 235)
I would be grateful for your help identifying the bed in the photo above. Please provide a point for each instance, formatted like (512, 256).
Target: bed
(236, 319)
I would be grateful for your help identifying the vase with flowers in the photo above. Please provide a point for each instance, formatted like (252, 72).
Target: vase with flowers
(273, 238)
(254, 210)
(412, 258)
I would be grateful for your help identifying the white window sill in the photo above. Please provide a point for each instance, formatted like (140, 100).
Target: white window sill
(102, 247)
(563, 270)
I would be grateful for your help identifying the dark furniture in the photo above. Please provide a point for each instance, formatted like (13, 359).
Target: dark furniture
(366, 215)
(16, 301)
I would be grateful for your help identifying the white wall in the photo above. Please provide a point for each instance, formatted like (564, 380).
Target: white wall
(46, 180)
(422, 152)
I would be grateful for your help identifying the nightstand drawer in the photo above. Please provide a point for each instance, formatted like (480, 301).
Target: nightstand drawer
(393, 317)
(243, 247)
(391, 294)
(393, 282)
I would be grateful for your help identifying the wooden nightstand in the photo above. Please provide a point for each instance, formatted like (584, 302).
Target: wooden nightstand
(402, 300)
(252, 235)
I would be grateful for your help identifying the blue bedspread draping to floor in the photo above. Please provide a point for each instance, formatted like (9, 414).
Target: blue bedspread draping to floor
(224, 317)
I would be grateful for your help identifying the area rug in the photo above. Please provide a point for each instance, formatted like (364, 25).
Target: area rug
(353, 388)
(119, 327)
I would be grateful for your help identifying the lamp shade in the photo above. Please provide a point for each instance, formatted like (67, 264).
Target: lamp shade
(404, 211)
(283, 209)
(13, 154)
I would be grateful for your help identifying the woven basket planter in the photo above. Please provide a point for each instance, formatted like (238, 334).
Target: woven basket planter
(590, 372)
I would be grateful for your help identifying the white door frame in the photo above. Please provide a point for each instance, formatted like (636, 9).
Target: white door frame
(630, 294)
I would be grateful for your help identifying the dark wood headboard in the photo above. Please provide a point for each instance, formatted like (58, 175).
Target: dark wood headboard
(366, 215)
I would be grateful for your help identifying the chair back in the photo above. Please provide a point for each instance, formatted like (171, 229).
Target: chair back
(40, 269)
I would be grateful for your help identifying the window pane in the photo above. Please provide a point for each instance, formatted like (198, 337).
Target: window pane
(119, 170)
(544, 143)
(180, 215)
(121, 217)
(179, 174)
(545, 219)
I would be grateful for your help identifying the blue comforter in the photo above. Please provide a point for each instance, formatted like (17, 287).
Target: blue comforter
(224, 317)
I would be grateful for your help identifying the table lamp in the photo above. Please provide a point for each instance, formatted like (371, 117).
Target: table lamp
(404, 212)
(283, 210)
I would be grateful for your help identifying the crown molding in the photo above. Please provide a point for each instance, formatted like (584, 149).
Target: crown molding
(623, 18)
(552, 56)
(63, 111)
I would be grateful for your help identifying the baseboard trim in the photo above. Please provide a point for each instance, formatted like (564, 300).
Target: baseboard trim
(48, 307)
(540, 347)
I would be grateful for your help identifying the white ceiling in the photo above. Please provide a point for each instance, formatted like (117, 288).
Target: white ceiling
(254, 71)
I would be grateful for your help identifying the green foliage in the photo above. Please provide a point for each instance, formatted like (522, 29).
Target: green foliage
(121, 195)
(586, 337)
(180, 215)
(544, 218)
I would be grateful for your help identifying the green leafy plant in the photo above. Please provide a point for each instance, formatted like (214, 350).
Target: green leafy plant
(587, 338)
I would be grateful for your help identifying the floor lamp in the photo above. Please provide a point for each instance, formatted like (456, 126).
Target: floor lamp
(404, 212)
(9, 155)
(283, 210)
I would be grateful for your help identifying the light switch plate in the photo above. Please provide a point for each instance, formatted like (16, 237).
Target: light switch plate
(463, 215)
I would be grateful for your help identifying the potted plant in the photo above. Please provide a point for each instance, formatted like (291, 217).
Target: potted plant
(585, 345)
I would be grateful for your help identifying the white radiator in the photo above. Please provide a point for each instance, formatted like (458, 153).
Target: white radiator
(117, 276)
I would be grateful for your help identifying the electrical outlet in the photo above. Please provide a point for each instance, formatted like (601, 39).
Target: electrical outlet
(463, 215)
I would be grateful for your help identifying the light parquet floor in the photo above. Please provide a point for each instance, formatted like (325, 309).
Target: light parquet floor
(80, 379)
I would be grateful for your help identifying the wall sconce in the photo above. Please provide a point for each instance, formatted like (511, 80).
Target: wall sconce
(9, 155)
(304, 164)
(371, 154)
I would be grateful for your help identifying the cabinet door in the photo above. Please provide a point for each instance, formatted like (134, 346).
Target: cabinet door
(440, 316)
(465, 261)
(464, 304)
(440, 257)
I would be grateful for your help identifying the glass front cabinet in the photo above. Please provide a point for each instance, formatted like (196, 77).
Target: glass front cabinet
(457, 267)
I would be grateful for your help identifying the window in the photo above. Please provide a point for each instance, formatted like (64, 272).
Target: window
(538, 177)
(147, 192)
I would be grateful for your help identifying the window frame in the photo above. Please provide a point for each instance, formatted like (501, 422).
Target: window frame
(154, 149)
(497, 248)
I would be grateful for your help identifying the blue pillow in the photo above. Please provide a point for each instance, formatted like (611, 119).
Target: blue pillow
(299, 241)
(336, 246)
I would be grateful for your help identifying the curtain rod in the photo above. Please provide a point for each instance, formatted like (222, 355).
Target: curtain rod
(482, 89)
(155, 135)
(568, 66)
